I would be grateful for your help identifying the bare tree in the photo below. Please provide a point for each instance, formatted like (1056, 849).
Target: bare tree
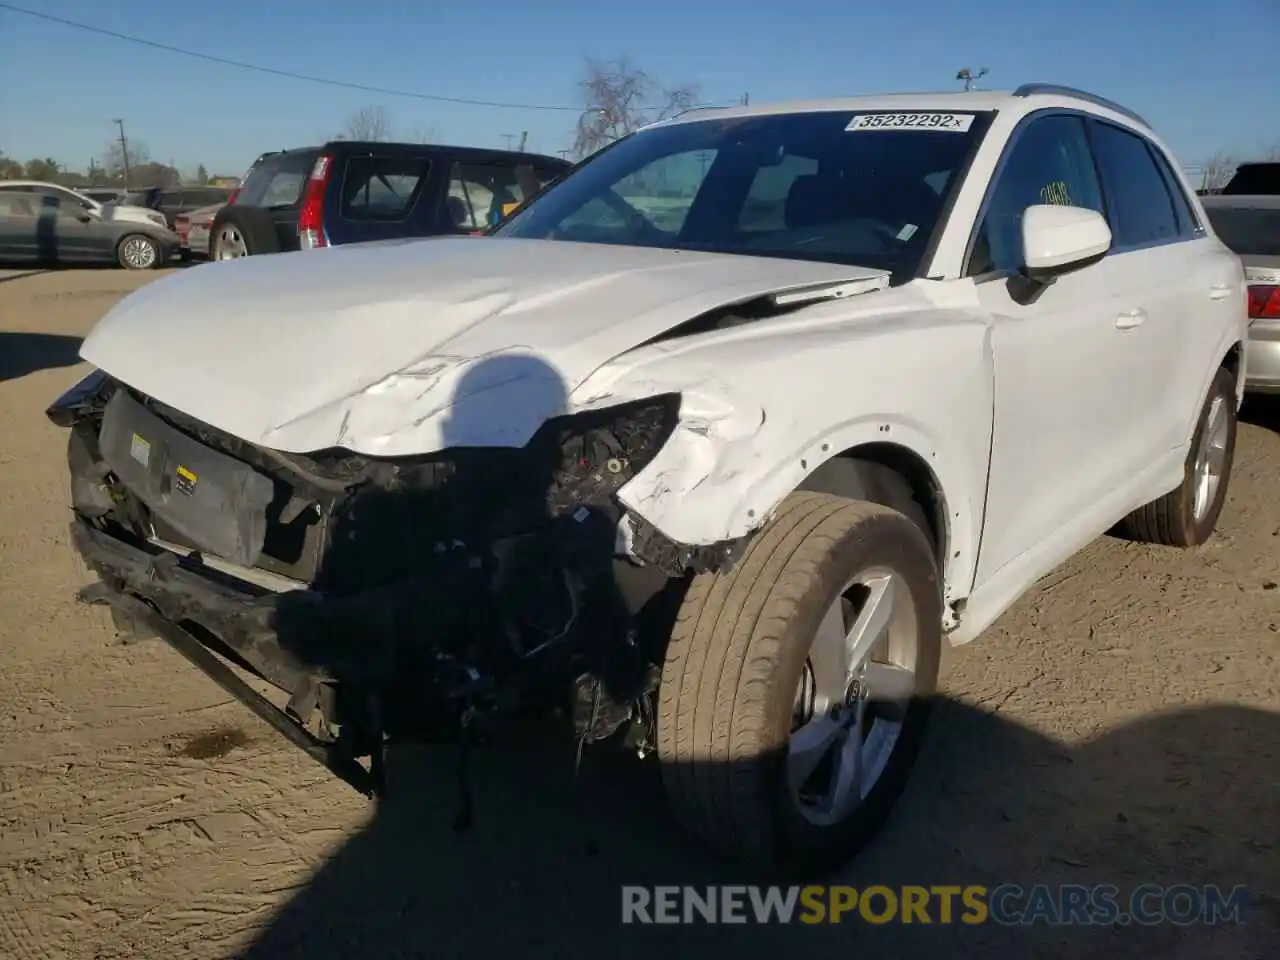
(425, 133)
(1217, 170)
(113, 159)
(618, 97)
(368, 123)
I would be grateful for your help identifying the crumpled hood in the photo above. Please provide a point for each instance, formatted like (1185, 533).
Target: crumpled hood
(373, 346)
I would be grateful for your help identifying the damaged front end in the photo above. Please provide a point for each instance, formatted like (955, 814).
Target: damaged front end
(384, 597)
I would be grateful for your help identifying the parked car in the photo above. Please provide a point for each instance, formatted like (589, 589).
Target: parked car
(103, 211)
(718, 439)
(1254, 178)
(193, 230)
(176, 201)
(350, 192)
(1250, 225)
(46, 228)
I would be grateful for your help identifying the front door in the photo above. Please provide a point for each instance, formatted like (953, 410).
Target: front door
(1067, 406)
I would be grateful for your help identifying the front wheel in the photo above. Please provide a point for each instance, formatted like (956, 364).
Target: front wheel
(797, 685)
(138, 252)
(1187, 516)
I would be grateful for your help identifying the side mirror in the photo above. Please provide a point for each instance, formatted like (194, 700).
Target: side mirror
(1057, 239)
(85, 217)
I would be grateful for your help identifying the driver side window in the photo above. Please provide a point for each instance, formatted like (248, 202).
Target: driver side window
(661, 192)
(1050, 163)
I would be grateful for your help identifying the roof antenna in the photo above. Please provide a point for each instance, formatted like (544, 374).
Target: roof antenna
(970, 78)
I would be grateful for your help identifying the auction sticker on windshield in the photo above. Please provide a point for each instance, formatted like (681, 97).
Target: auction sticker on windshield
(945, 122)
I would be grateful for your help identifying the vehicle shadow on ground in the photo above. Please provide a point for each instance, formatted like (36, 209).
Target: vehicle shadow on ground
(1262, 410)
(540, 872)
(990, 803)
(21, 276)
(24, 353)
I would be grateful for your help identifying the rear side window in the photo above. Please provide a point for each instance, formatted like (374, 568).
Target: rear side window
(169, 198)
(1249, 232)
(14, 204)
(1140, 208)
(483, 192)
(277, 181)
(1187, 222)
(382, 188)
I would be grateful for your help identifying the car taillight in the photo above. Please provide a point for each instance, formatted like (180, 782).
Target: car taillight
(311, 219)
(234, 193)
(1264, 302)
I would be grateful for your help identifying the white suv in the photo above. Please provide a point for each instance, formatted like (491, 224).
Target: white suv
(726, 433)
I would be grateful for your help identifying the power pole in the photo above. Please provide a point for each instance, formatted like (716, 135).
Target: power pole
(508, 137)
(124, 152)
(746, 99)
(970, 78)
(524, 138)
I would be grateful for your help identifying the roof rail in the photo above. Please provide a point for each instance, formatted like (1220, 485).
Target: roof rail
(1053, 89)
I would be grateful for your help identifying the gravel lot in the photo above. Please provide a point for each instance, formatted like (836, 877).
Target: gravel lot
(1120, 725)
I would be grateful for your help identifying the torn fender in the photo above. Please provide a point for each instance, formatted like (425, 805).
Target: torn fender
(765, 406)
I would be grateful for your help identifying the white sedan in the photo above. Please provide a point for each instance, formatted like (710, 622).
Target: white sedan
(722, 436)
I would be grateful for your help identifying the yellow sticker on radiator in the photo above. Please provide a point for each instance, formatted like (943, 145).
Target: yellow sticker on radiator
(186, 481)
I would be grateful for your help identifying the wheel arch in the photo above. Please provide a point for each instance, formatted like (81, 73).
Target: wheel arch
(1233, 362)
(911, 468)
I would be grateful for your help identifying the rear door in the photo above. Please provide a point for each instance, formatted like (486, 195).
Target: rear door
(1167, 282)
(17, 227)
(377, 198)
(276, 184)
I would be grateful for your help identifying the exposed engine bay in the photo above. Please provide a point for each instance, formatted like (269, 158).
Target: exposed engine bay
(386, 596)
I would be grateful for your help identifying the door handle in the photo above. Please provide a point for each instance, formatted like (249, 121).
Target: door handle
(1130, 319)
(1219, 291)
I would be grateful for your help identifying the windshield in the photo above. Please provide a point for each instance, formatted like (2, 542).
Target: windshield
(1249, 232)
(835, 186)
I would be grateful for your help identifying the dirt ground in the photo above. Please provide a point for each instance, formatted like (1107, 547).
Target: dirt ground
(1120, 725)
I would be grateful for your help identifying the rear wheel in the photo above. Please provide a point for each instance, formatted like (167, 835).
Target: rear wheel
(797, 685)
(138, 252)
(1187, 516)
(242, 232)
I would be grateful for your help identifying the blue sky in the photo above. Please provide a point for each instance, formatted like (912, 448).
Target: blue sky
(1205, 75)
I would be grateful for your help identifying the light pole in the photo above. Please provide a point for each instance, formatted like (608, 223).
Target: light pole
(124, 152)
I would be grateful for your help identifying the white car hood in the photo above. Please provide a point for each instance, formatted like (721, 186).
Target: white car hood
(371, 346)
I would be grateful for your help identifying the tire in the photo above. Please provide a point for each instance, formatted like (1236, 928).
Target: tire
(137, 251)
(1173, 520)
(738, 652)
(241, 232)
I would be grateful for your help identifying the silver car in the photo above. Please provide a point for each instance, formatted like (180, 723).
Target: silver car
(1250, 225)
